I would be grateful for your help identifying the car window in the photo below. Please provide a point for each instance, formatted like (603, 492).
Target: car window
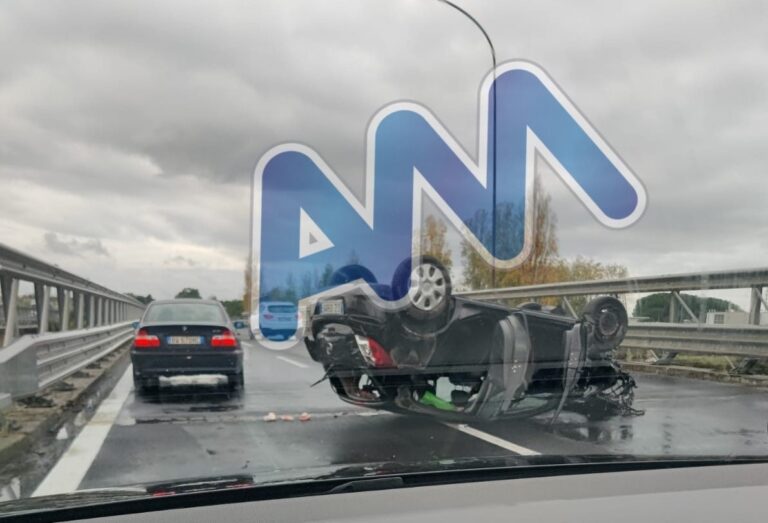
(281, 308)
(454, 234)
(184, 312)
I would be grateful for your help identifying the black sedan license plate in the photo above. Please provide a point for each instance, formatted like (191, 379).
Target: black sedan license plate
(184, 340)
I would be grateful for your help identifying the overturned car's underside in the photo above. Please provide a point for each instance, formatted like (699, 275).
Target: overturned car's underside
(458, 358)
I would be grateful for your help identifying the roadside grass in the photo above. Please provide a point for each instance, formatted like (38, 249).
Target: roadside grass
(716, 363)
(719, 363)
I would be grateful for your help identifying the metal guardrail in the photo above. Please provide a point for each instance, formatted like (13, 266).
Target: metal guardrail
(91, 321)
(747, 341)
(724, 340)
(79, 303)
(737, 279)
(34, 362)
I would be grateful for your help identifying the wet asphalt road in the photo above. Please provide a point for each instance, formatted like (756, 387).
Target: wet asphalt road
(198, 432)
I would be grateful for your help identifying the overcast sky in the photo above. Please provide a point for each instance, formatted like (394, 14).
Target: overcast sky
(129, 130)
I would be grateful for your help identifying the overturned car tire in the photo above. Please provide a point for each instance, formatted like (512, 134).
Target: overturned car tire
(426, 283)
(607, 321)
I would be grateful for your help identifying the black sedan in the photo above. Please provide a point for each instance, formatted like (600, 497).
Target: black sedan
(185, 338)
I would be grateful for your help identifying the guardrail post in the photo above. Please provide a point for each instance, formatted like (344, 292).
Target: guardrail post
(65, 304)
(91, 311)
(569, 307)
(43, 306)
(80, 301)
(672, 308)
(99, 312)
(10, 288)
(674, 301)
(685, 307)
(755, 303)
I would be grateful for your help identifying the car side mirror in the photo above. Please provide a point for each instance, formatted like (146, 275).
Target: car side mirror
(135, 325)
(239, 325)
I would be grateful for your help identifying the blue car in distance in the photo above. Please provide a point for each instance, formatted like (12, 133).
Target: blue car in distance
(278, 319)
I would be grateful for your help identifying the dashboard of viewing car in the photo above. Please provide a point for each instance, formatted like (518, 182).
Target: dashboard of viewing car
(705, 493)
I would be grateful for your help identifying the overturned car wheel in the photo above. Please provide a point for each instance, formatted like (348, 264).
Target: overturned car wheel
(607, 322)
(427, 285)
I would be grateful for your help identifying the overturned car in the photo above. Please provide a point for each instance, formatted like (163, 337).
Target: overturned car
(437, 354)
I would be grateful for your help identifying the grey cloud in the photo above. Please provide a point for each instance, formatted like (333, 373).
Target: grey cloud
(180, 260)
(72, 247)
(132, 114)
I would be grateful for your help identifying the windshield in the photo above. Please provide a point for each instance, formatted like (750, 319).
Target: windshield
(454, 234)
(184, 312)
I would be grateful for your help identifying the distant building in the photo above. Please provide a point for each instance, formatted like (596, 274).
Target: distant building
(733, 318)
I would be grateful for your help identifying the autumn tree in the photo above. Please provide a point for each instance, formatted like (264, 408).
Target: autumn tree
(189, 292)
(543, 263)
(585, 269)
(433, 242)
(542, 259)
(248, 292)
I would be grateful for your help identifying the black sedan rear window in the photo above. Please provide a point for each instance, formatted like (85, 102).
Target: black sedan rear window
(282, 308)
(166, 312)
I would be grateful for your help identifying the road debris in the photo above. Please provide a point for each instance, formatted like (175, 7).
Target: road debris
(63, 386)
(37, 402)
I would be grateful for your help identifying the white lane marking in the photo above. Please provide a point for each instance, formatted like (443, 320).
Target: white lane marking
(279, 346)
(493, 440)
(71, 468)
(292, 362)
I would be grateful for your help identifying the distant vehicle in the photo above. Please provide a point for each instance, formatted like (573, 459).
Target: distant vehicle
(278, 319)
(182, 338)
(242, 329)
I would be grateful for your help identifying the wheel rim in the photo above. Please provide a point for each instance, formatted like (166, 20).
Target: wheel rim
(427, 287)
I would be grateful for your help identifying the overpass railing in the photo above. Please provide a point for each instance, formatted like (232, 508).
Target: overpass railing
(79, 302)
(749, 341)
(34, 362)
(45, 340)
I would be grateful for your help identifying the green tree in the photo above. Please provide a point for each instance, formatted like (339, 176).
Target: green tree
(656, 306)
(307, 288)
(143, 299)
(189, 292)
(234, 308)
(325, 277)
(353, 258)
